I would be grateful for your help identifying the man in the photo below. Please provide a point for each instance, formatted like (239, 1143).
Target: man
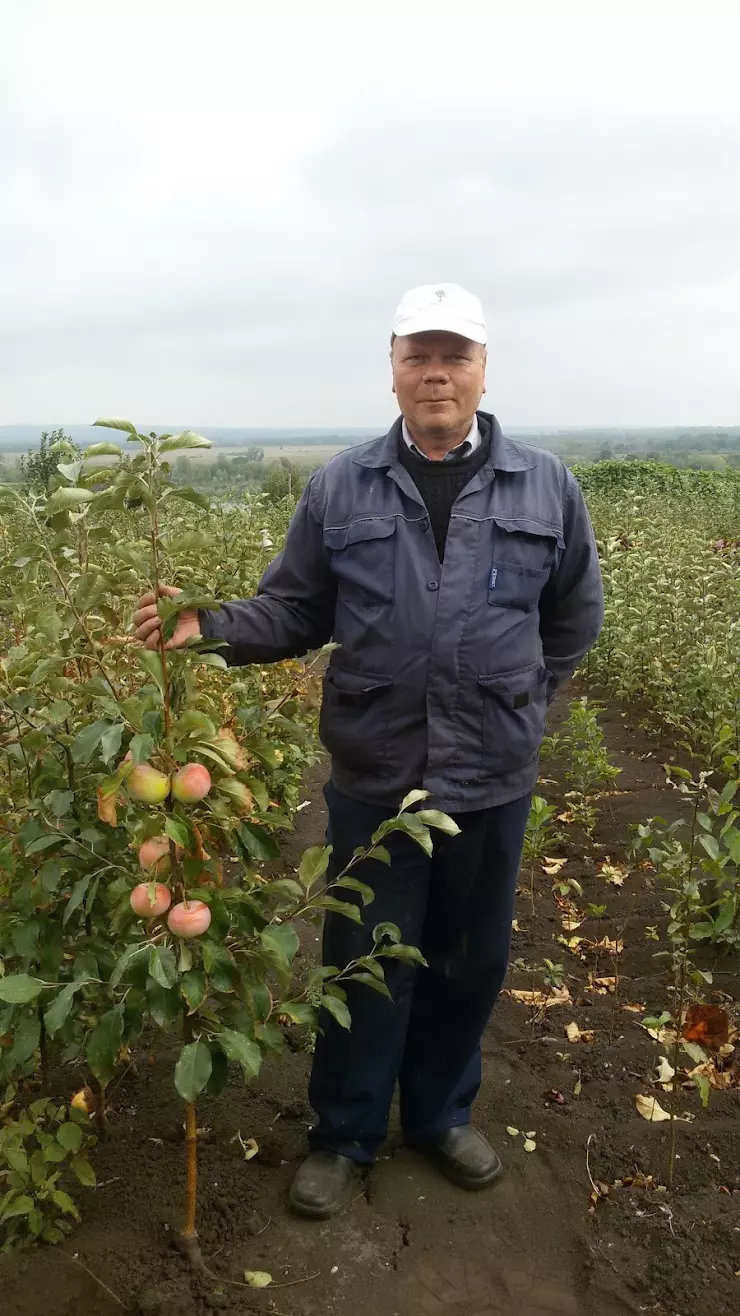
(458, 572)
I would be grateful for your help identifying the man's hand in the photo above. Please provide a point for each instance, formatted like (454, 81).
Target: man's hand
(148, 623)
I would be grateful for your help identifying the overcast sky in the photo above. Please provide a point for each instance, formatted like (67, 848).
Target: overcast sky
(208, 211)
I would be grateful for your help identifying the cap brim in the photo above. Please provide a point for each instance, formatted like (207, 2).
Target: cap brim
(443, 323)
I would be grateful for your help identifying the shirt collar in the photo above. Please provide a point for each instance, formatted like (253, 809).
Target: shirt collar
(473, 438)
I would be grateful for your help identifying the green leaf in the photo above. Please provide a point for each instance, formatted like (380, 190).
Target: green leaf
(239, 1047)
(193, 1070)
(63, 500)
(59, 802)
(79, 891)
(84, 1171)
(258, 842)
(365, 892)
(48, 622)
(347, 908)
(711, 845)
(110, 742)
(212, 660)
(69, 1136)
(104, 1045)
(22, 1205)
(187, 439)
(193, 988)
(61, 1006)
(18, 988)
(124, 425)
(43, 843)
(86, 741)
(442, 821)
(411, 954)
(413, 797)
(152, 664)
(163, 966)
(126, 959)
(178, 831)
(193, 496)
(257, 1279)
(280, 943)
(338, 1010)
(141, 747)
(314, 864)
(299, 1012)
(65, 1203)
(104, 449)
(386, 932)
(369, 980)
(25, 1041)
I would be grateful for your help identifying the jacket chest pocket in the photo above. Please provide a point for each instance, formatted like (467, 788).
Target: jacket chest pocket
(363, 558)
(522, 562)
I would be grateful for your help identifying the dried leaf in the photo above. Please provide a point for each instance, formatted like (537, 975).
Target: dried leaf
(576, 1034)
(635, 1007)
(614, 873)
(707, 1024)
(512, 1132)
(559, 996)
(107, 811)
(257, 1279)
(604, 986)
(664, 1071)
(578, 1087)
(552, 866)
(570, 924)
(611, 946)
(652, 1111)
(515, 925)
(566, 817)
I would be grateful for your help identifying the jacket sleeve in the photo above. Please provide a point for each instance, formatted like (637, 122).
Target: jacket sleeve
(572, 603)
(293, 610)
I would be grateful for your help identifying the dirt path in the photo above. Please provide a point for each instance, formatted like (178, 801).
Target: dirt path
(410, 1244)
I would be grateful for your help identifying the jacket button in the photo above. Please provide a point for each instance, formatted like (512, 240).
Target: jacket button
(424, 526)
(433, 584)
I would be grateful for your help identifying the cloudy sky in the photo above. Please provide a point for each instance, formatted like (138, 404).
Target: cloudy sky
(208, 211)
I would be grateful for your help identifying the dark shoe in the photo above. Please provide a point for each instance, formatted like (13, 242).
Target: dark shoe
(321, 1185)
(464, 1156)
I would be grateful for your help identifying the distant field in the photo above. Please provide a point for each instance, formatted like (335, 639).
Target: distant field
(308, 454)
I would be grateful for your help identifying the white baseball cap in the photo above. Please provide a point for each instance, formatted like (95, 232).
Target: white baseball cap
(443, 306)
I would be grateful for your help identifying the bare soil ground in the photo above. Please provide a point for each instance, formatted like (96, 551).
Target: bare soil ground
(410, 1244)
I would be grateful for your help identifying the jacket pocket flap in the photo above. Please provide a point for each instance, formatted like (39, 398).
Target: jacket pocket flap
(338, 537)
(515, 683)
(356, 683)
(530, 525)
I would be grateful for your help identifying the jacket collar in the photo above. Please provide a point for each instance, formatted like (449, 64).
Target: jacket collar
(505, 454)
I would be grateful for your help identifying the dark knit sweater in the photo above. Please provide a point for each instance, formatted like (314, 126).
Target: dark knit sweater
(441, 482)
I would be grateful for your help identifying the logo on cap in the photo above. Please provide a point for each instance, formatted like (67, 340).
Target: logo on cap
(440, 294)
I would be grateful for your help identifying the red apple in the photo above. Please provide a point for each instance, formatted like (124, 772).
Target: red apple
(191, 783)
(147, 784)
(154, 854)
(189, 920)
(148, 905)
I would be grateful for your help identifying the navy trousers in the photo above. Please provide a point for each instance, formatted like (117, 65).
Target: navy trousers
(457, 906)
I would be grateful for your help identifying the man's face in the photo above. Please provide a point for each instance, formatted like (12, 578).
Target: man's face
(439, 379)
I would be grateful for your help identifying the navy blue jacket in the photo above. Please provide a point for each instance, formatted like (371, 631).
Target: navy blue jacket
(445, 670)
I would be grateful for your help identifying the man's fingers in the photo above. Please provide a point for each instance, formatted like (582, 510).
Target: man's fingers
(144, 614)
(147, 599)
(169, 591)
(147, 628)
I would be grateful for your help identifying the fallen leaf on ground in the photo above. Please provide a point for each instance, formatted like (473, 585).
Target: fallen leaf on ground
(257, 1279)
(635, 1007)
(530, 1145)
(515, 925)
(512, 1132)
(664, 1071)
(552, 866)
(707, 1024)
(565, 817)
(576, 1034)
(614, 873)
(603, 986)
(578, 1087)
(651, 1110)
(608, 944)
(570, 924)
(560, 996)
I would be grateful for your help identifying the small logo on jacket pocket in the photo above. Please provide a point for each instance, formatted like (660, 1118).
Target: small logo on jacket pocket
(492, 581)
